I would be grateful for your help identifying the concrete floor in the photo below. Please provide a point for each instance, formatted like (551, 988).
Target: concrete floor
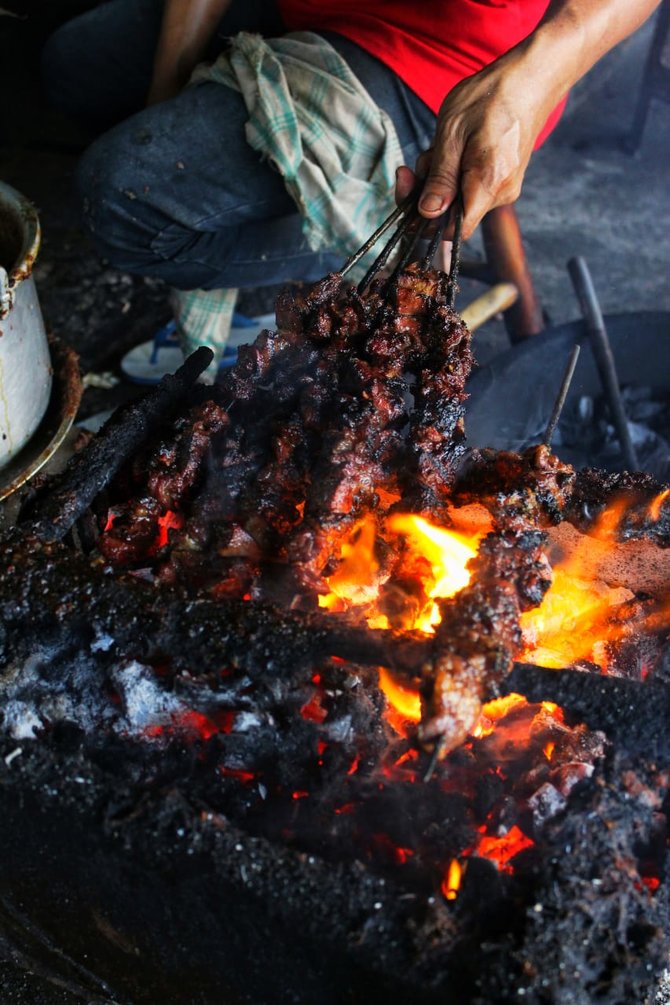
(583, 195)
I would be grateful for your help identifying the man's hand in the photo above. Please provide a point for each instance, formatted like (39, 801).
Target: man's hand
(487, 125)
(485, 133)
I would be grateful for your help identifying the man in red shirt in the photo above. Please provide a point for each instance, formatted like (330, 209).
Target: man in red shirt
(174, 191)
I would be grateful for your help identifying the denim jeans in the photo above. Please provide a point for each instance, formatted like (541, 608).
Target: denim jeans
(174, 191)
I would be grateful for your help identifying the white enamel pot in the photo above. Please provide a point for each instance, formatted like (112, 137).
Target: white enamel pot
(25, 363)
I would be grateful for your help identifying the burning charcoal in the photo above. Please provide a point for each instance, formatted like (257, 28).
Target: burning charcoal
(633, 712)
(265, 714)
(589, 856)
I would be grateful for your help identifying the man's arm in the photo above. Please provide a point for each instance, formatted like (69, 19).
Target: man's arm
(188, 26)
(488, 123)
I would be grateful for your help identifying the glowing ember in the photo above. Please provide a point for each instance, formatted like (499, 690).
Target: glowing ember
(405, 701)
(657, 505)
(502, 850)
(194, 725)
(111, 517)
(169, 521)
(452, 880)
(313, 711)
(495, 710)
(238, 773)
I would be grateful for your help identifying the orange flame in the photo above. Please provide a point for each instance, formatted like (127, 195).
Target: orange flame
(405, 701)
(574, 621)
(453, 877)
(606, 526)
(656, 505)
(353, 582)
(577, 619)
(495, 710)
(446, 554)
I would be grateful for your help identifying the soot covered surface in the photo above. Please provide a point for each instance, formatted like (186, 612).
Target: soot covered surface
(205, 794)
(112, 853)
(175, 833)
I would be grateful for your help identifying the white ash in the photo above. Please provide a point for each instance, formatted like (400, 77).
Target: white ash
(54, 686)
(662, 995)
(21, 721)
(246, 721)
(102, 643)
(144, 702)
(341, 729)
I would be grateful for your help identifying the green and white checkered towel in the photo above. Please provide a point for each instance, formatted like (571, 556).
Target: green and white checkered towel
(335, 148)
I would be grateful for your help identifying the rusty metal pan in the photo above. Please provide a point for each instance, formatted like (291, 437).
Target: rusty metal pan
(63, 404)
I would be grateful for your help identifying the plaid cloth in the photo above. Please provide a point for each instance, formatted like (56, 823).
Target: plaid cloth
(203, 317)
(335, 148)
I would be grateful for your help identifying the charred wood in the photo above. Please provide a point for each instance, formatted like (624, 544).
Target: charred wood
(633, 713)
(68, 497)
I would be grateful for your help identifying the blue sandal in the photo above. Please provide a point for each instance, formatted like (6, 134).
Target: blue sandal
(149, 361)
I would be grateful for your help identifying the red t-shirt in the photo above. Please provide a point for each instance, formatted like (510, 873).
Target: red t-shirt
(430, 44)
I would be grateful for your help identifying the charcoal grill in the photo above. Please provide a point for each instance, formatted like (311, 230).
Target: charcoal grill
(205, 798)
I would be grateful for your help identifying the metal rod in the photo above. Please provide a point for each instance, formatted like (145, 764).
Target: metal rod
(382, 258)
(409, 251)
(562, 394)
(604, 357)
(371, 241)
(439, 750)
(435, 241)
(455, 250)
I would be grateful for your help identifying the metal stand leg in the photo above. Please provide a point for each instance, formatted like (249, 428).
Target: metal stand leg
(506, 261)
